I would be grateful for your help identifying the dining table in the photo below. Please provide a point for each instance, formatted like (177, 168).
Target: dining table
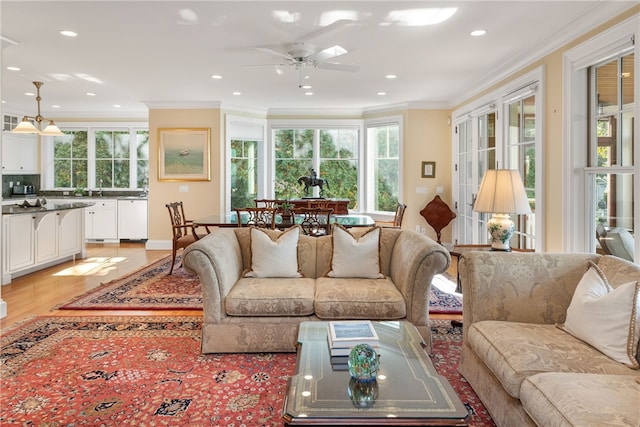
(231, 220)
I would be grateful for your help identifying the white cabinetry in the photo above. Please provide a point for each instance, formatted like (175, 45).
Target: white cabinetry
(32, 241)
(132, 219)
(101, 220)
(19, 153)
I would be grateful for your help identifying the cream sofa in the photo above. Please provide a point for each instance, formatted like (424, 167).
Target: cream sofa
(526, 370)
(243, 314)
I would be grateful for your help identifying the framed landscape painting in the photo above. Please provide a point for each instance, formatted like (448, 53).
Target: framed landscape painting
(184, 154)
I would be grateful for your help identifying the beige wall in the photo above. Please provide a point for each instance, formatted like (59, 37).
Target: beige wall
(202, 198)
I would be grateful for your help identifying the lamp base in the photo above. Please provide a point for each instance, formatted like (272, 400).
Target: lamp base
(501, 228)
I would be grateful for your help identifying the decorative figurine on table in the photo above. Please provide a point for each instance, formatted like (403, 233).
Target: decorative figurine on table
(313, 181)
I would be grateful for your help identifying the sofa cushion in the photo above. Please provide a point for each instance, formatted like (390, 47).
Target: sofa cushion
(355, 257)
(271, 297)
(274, 257)
(514, 351)
(606, 318)
(568, 399)
(353, 298)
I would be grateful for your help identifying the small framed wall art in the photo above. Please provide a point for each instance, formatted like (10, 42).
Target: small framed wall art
(428, 169)
(184, 154)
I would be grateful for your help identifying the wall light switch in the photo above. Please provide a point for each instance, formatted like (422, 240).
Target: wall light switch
(440, 189)
(422, 190)
(184, 189)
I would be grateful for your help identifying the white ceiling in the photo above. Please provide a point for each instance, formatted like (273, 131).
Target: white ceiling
(154, 54)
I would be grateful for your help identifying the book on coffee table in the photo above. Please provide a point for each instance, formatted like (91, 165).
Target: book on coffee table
(342, 336)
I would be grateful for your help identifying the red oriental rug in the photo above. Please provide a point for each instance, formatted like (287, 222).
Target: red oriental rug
(151, 289)
(149, 371)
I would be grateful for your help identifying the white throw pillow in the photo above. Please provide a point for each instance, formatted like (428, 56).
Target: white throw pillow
(355, 257)
(274, 258)
(606, 318)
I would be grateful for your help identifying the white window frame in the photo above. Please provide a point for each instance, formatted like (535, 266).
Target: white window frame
(233, 130)
(516, 88)
(367, 195)
(576, 193)
(47, 167)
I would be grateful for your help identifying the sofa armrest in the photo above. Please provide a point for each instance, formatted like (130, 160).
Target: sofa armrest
(519, 287)
(217, 260)
(415, 259)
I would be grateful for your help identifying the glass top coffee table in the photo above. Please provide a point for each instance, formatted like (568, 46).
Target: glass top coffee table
(408, 390)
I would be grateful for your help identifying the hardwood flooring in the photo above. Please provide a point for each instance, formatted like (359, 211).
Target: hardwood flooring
(38, 293)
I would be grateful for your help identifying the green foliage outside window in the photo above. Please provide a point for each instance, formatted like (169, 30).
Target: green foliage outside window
(244, 173)
(70, 160)
(386, 166)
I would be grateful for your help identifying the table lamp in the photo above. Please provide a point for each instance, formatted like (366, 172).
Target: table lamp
(501, 193)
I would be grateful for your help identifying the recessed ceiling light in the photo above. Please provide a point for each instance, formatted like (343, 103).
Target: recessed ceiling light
(478, 33)
(91, 94)
(68, 33)
(391, 76)
(216, 76)
(4, 102)
(30, 94)
(308, 93)
(382, 93)
(116, 105)
(237, 93)
(13, 68)
(55, 106)
(306, 87)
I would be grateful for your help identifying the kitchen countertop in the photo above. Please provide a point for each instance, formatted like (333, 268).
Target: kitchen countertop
(49, 207)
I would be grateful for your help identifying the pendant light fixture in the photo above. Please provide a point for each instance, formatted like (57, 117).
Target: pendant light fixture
(26, 126)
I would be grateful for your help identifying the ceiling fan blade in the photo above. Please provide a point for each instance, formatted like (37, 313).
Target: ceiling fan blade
(337, 67)
(325, 30)
(328, 53)
(274, 52)
(265, 65)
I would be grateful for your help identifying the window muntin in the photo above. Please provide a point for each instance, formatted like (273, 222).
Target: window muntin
(293, 158)
(339, 161)
(112, 158)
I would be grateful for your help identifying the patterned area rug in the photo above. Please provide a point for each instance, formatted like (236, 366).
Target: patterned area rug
(147, 289)
(149, 371)
(151, 289)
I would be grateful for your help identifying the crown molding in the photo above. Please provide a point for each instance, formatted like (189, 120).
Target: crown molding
(182, 105)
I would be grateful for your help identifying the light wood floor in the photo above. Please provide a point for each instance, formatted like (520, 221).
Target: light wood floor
(38, 293)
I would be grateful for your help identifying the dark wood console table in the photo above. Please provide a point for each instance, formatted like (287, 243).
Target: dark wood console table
(339, 206)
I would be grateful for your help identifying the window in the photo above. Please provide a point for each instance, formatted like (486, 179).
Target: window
(97, 157)
(611, 149)
(384, 144)
(331, 152)
(244, 173)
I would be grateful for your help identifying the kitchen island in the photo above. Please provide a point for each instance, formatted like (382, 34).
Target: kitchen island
(36, 237)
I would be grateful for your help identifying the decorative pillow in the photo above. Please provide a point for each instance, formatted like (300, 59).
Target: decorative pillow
(355, 257)
(274, 258)
(606, 318)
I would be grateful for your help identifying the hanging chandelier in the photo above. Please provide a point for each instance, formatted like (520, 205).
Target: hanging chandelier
(26, 125)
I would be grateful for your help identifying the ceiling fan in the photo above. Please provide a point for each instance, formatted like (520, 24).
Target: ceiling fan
(303, 54)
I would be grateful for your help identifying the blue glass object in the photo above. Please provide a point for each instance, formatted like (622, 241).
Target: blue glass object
(363, 363)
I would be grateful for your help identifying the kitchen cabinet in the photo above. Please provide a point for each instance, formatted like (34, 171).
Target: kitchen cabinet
(32, 241)
(132, 219)
(101, 220)
(46, 236)
(19, 153)
(18, 239)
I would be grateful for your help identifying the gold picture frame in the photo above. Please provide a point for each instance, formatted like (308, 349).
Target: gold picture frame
(428, 169)
(184, 154)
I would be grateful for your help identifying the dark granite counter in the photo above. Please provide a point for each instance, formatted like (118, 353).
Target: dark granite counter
(21, 208)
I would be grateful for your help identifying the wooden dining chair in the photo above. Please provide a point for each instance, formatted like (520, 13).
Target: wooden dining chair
(257, 217)
(270, 203)
(397, 218)
(184, 232)
(438, 215)
(313, 221)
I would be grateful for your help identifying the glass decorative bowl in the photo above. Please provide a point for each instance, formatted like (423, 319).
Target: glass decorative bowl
(363, 363)
(363, 395)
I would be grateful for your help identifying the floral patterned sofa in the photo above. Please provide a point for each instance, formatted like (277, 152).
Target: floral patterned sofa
(249, 314)
(519, 358)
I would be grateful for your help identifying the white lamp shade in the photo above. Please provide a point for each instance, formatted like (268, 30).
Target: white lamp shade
(502, 191)
(25, 126)
(51, 130)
